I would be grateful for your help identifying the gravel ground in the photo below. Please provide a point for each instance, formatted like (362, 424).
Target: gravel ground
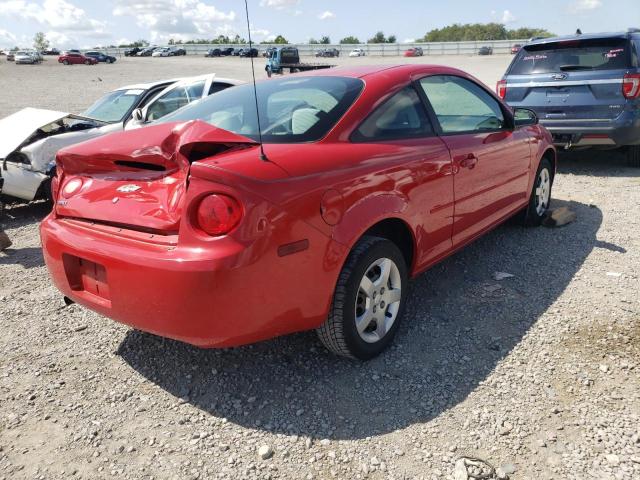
(537, 374)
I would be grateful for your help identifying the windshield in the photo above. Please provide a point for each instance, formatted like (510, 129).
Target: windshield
(574, 55)
(114, 106)
(292, 110)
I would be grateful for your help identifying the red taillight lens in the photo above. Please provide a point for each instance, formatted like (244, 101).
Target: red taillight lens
(501, 88)
(218, 214)
(631, 85)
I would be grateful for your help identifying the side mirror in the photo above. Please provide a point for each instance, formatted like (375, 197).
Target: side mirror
(137, 115)
(523, 117)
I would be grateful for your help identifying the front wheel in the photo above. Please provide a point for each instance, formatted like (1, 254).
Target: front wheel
(87, 62)
(540, 197)
(65, 62)
(368, 301)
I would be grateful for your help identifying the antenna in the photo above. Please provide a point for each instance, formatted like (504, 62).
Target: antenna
(263, 156)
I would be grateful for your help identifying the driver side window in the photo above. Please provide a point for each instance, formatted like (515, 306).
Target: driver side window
(174, 99)
(461, 106)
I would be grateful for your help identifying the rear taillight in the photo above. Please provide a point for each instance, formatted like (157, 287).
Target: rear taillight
(218, 214)
(501, 88)
(631, 85)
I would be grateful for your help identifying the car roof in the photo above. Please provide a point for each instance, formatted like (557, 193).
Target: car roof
(362, 71)
(146, 86)
(584, 36)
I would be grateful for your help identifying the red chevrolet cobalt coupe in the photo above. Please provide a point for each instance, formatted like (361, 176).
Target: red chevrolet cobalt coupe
(369, 176)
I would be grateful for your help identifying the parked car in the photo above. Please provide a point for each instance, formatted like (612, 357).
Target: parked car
(11, 57)
(70, 58)
(249, 52)
(414, 52)
(197, 238)
(357, 52)
(132, 52)
(237, 52)
(23, 57)
(146, 52)
(30, 138)
(485, 50)
(585, 89)
(213, 52)
(101, 57)
(328, 52)
(268, 51)
(161, 52)
(177, 51)
(52, 51)
(225, 52)
(515, 48)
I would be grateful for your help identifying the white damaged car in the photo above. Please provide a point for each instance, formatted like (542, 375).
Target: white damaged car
(30, 138)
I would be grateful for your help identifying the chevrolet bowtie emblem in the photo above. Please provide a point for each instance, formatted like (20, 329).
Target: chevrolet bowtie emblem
(129, 188)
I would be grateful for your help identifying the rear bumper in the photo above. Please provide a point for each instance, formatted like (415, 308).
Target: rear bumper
(222, 295)
(624, 130)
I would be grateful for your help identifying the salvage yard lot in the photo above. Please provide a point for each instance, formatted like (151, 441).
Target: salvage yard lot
(539, 371)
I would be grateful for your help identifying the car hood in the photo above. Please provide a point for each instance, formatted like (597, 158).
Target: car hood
(17, 128)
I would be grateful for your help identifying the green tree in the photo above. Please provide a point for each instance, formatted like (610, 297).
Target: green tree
(481, 31)
(391, 39)
(350, 40)
(172, 41)
(378, 38)
(313, 41)
(280, 40)
(40, 42)
(325, 40)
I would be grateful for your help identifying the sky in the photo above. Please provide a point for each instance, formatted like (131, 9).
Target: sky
(92, 23)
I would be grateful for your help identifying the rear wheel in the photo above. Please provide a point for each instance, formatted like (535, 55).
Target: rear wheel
(65, 62)
(87, 62)
(540, 197)
(633, 156)
(368, 301)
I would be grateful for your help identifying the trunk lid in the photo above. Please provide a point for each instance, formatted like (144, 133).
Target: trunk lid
(137, 179)
(570, 80)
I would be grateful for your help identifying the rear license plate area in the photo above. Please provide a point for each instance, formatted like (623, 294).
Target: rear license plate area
(87, 277)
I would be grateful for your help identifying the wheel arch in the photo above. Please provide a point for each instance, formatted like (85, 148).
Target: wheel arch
(397, 231)
(551, 154)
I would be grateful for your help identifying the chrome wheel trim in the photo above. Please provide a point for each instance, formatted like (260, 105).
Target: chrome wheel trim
(543, 191)
(378, 300)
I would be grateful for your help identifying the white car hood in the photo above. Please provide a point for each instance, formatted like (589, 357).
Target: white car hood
(17, 128)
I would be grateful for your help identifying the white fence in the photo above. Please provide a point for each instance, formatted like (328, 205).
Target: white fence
(372, 49)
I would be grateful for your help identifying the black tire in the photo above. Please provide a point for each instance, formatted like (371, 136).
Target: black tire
(530, 217)
(338, 333)
(633, 156)
(65, 62)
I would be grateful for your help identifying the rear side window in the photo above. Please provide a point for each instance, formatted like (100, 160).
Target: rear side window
(461, 106)
(401, 116)
(573, 55)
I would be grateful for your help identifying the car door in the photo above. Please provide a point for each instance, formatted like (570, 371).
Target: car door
(491, 160)
(400, 129)
(174, 97)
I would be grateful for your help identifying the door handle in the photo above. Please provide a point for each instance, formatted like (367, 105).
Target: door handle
(468, 161)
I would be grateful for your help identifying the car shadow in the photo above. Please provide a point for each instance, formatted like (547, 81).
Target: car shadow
(18, 214)
(27, 257)
(459, 324)
(598, 163)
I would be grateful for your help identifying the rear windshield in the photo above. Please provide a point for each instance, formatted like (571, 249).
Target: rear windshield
(292, 110)
(574, 55)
